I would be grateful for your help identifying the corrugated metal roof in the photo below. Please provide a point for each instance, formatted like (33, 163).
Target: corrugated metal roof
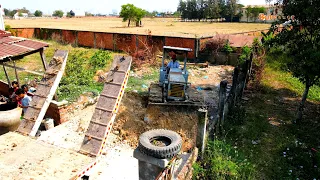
(11, 46)
(236, 40)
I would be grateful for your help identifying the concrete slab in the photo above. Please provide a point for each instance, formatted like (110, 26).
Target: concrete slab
(118, 164)
(24, 158)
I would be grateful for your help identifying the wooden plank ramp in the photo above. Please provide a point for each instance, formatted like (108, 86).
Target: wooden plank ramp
(44, 94)
(107, 107)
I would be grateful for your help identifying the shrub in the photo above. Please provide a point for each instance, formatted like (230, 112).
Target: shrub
(79, 73)
(7, 27)
(213, 45)
(245, 54)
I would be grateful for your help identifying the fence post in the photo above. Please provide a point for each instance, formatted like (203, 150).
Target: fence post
(202, 130)
(222, 99)
(234, 86)
(243, 77)
(248, 67)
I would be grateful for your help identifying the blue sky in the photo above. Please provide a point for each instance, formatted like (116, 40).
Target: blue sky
(98, 6)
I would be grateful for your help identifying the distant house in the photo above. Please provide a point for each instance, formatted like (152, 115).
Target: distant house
(271, 14)
(20, 15)
(79, 13)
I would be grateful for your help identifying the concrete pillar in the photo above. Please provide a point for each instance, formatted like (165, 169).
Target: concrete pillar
(149, 167)
(202, 130)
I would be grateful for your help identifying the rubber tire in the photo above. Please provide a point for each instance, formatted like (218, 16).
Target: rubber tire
(146, 147)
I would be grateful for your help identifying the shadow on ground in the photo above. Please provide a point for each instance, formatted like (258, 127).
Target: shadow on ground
(261, 128)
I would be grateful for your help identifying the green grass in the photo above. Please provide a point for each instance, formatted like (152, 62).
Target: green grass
(276, 69)
(81, 67)
(141, 83)
(261, 132)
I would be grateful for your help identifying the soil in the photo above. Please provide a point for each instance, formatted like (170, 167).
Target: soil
(134, 119)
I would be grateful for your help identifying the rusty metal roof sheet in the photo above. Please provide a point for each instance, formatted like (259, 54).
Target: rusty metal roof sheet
(11, 46)
(237, 40)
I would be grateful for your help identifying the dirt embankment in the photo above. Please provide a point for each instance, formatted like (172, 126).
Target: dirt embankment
(134, 119)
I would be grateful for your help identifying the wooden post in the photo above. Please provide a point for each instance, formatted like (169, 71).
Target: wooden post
(5, 72)
(16, 72)
(43, 58)
(234, 86)
(222, 98)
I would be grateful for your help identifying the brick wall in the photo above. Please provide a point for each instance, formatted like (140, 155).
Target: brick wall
(118, 41)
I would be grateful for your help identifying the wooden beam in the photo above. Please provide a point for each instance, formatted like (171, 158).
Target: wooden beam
(16, 72)
(25, 70)
(53, 89)
(19, 56)
(5, 72)
(43, 58)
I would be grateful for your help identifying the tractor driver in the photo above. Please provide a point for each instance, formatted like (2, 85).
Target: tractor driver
(173, 63)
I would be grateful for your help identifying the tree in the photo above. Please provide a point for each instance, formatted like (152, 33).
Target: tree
(12, 13)
(139, 14)
(6, 11)
(24, 10)
(38, 13)
(182, 8)
(201, 6)
(223, 8)
(232, 8)
(58, 13)
(128, 13)
(248, 12)
(71, 14)
(255, 11)
(192, 9)
(240, 11)
(300, 41)
(88, 14)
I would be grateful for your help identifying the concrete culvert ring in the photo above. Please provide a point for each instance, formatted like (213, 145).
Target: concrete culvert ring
(160, 143)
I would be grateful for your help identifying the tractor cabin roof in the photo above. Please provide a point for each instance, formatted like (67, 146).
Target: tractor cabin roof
(15, 48)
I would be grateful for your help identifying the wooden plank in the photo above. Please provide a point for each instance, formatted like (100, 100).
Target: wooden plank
(108, 102)
(64, 56)
(42, 98)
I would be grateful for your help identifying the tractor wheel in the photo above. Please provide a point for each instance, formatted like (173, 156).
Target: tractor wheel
(160, 143)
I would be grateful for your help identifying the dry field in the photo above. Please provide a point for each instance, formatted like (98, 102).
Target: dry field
(165, 26)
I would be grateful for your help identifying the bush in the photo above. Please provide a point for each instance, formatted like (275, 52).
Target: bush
(7, 27)
(79, 73)
(213, 45)
(227, 48)
(245, 54)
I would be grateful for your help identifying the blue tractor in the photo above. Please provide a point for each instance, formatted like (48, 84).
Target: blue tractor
(173, 86)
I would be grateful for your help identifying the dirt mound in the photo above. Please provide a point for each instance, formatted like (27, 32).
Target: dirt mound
(134, 119)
